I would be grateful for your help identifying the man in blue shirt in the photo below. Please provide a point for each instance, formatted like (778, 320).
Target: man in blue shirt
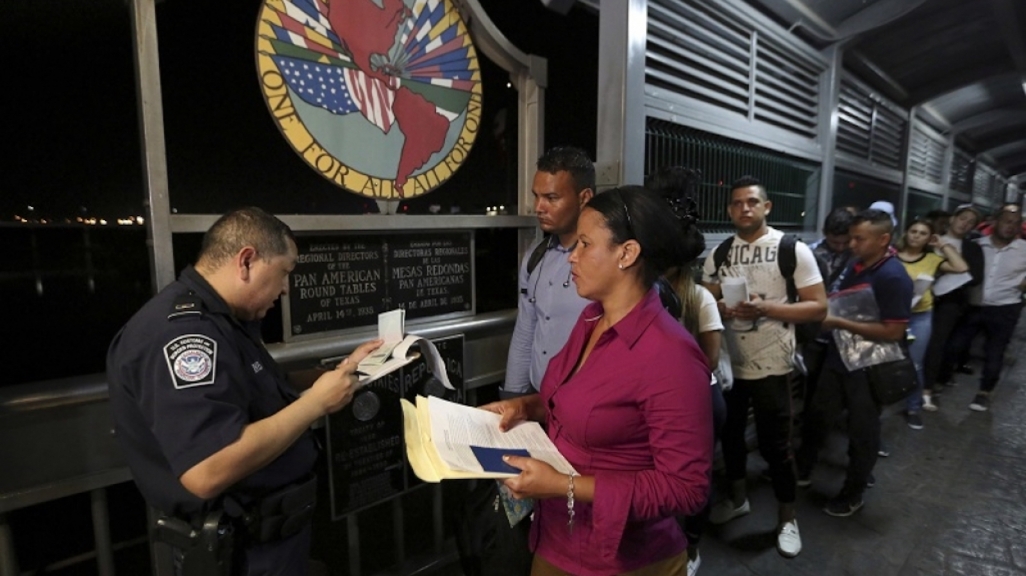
(549, 304)
(547, 311)
(838, 388)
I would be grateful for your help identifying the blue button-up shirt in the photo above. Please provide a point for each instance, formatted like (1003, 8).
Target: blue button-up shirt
(548, 309)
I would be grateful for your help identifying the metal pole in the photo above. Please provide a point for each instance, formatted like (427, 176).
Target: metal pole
(8, 561)
(398, 532)
(830, 91)
(151, 133)
(353, 537)
(437, 515)
(101, 532)
(623, 31)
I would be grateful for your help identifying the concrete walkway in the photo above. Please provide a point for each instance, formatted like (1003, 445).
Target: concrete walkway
(950, 500)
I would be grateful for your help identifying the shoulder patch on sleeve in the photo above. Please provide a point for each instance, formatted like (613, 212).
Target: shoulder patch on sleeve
(191, 359)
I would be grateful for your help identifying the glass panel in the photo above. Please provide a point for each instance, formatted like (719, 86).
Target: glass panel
(74, 274)
(789, 182)
(225, 149)
(919, 203)
(852, 189)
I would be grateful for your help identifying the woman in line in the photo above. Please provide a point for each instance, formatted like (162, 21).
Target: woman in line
(699, 315)
(626, 401)
(916, 252)
(949, 308)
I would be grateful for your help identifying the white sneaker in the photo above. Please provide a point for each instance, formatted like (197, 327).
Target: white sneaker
(694, 564)
(928, 404)
(789, 541)
(725, 511)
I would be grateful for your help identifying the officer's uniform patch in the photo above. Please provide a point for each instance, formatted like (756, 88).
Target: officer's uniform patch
(191, 358)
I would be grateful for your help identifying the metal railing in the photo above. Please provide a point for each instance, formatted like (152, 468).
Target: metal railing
(789, 182)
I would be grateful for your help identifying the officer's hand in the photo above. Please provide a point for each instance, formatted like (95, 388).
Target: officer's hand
(335, 388)
(349, 363)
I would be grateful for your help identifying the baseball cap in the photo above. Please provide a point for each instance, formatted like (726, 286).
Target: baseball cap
(885, 206)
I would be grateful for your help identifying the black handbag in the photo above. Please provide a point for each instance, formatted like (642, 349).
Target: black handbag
(893, 381)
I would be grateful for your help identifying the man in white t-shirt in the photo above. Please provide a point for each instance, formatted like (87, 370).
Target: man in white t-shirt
(760, 339)
(996, 304)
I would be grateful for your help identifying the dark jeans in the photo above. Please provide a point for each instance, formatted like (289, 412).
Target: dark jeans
(946, 317)
(694, 525)
(770, 399)
(998, 324)
(835, 391)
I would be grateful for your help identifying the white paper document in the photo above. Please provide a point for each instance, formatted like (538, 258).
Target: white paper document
(920, 286)
(735, 291)
(950, 282)
(449, 440)
(391, 330)
(395, 351)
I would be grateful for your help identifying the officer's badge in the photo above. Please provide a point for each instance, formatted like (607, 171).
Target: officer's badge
(191, 359)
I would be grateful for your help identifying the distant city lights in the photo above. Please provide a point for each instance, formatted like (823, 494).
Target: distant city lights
(84, 220)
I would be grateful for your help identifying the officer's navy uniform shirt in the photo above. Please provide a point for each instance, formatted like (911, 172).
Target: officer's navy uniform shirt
(182, 389)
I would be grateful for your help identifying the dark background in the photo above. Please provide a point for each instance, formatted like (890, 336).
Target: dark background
(73, 150)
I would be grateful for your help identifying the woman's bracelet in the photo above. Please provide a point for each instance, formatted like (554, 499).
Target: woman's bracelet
(570, 503)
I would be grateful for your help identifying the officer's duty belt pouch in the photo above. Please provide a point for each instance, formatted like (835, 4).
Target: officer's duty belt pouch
(283, 513)
(204, 551)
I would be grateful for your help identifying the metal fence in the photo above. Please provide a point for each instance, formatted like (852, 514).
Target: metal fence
(792, 184)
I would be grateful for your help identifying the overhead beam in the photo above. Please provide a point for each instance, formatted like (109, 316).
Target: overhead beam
(1008, 23)
(952, 80)
(1003, 151)
(888, 85)
(875, 15)
(997, 117)
(999, 138)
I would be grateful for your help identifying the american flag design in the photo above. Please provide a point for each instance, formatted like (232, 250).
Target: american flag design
(340, 90)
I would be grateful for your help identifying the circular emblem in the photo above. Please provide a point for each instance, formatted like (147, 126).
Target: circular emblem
(366, 406)
(193, 365)
(381, 97)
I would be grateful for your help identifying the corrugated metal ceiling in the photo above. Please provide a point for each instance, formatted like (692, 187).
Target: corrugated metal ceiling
(963, 61)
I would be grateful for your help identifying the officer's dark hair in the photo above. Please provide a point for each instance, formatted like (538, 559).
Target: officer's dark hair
(746, 181)
(572, 160)
(636, 213)
(878, 218)
(237, 229)
(838, 221)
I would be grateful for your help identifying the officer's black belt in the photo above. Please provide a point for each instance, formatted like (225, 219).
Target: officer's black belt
(282, 513)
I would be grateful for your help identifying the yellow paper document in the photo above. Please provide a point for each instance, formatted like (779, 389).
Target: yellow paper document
(448, 440)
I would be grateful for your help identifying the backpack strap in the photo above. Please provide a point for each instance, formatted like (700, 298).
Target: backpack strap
(788, 262)
(536, 255)
(721, 253)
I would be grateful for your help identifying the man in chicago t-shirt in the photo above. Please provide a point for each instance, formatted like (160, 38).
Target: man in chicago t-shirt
(760, 338)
